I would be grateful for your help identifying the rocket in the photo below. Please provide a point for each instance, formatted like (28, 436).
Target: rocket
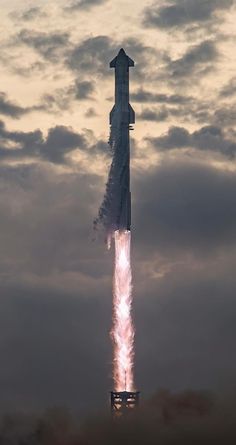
(121, 117)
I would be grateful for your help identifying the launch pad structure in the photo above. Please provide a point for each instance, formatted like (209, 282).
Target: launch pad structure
(123, 401)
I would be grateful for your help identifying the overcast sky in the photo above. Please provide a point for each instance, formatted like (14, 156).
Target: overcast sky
(56, 279)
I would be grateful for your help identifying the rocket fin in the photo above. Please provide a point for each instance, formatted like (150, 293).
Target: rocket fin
(113, 63)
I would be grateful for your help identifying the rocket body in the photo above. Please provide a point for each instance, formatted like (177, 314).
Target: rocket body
(121, 116)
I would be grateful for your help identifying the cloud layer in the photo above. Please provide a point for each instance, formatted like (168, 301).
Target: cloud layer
(178, 13)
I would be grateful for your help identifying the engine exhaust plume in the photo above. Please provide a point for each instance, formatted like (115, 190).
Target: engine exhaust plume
(123, 329)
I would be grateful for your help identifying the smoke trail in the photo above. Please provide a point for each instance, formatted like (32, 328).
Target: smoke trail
(109, 211)
(123, 330)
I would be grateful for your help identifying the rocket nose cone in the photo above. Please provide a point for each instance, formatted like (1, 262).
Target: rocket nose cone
(122, 52)
(122, 59)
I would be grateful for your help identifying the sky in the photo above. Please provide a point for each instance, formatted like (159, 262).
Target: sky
(56, 275)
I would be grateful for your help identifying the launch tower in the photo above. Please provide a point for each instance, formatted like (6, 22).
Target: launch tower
(123, 401)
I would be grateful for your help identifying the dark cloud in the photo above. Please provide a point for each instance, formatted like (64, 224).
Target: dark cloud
(91, 112)
(46, 232)
(145, 96)
(48, 211)
(88, 57)
(84, 5)
(26, 70)
(15, 111)
(55, 277)
(188, 113)
(9, 108)
(51, 46)
(182, 107)
(177, 137)
(84, 89)
(179, 13)
(224, 116)
(149, 114)
(101, 147)
(60, 140)
(62, 99)
(207, 138)
(197, 60)
(42, 363)
(58, 100)
(191, 206)
(229, 90)
(29, 14)
(94, 54)
(187, 109)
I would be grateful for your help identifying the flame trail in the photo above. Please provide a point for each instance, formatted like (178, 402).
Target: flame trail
(123, 329)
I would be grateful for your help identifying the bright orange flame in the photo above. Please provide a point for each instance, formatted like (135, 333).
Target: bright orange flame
(123, 330)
